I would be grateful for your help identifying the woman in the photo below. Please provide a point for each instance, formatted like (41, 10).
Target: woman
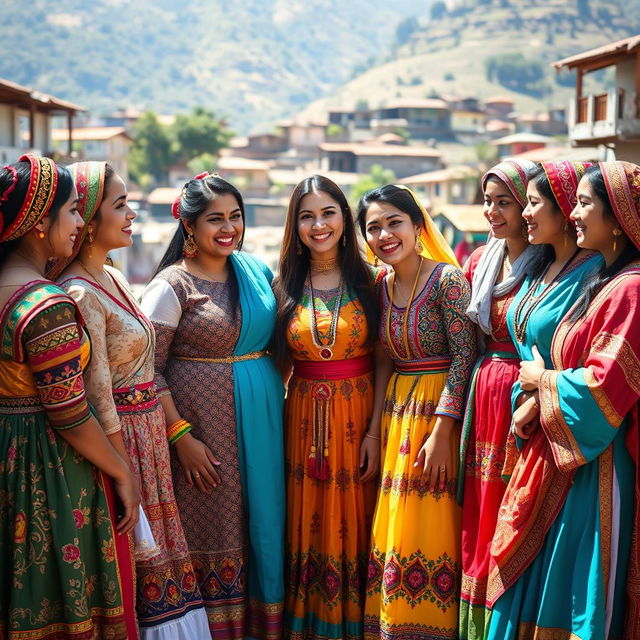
(121, 389)
(214, 312)
(553, 285)
(582, 476)
(326, 327)
(495, 272)
(65, 566)
(414, 566)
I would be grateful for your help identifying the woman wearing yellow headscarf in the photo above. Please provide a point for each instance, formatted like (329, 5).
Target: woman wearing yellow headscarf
(414, 565)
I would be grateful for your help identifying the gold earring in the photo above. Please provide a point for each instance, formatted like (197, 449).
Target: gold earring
(344, 240)
(190, 248)
(419, 247)
(616, 233)
(565, 229)
(41, 235)
(90, 241)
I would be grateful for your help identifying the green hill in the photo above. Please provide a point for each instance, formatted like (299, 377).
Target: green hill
(255, 60)
(450, 52)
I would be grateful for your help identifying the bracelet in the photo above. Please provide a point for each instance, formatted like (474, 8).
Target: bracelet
(176, 430)
(368, 435)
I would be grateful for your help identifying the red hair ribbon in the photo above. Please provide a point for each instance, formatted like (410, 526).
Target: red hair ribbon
(14, 173)
(175, 207)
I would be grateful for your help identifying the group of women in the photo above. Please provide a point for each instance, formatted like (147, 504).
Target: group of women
(456, 456)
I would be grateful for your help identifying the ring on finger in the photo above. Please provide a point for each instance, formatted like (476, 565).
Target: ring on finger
(196, 475)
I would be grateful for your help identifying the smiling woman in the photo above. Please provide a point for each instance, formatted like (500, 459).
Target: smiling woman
(214, 312)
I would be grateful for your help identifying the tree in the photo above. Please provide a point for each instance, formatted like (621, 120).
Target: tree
(376, 177)
(405, 29)
(150, 155)
(197, 133)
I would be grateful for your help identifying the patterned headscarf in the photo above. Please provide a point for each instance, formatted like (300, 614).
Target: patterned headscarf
(622, 180)
(564, 177)
(89, 178)
(43, 184)
(515, 174)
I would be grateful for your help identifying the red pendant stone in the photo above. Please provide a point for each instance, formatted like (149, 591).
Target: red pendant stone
(326, 353)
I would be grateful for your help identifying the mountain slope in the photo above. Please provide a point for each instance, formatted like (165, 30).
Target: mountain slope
(255, 60)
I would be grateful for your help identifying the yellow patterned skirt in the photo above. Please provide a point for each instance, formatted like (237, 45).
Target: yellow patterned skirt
(414, 567)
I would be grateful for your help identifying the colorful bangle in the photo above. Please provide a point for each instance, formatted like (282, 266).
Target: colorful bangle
(176, 430)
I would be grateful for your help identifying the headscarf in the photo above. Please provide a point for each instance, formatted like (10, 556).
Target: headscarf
(43, 184)
(434, 246)
(89, 178)
(622, 180)
(515, 174)
(564, 177)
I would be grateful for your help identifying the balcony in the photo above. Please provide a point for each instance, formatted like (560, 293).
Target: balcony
(605, 117)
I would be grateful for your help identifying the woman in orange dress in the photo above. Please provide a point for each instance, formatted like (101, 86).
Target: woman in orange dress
(327, 322)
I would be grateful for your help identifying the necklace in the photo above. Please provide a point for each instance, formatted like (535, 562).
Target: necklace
(323, 266)
(507, 262)
(93, 275)
(530, 300)
(405, 317)
(325, 350)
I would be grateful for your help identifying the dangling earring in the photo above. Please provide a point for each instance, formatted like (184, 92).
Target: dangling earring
(90, 241)
(344, 240)
(419, 248)
(298, 247)
(565, 230)
(41, 235)
(616, 233)
(190, 248)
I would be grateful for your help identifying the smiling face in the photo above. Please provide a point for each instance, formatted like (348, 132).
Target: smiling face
(219, 229)
(594, 228)
(545, 222)
(390, 233)
(502, 210)
(320, 225)
(62, 231)
(111, 228)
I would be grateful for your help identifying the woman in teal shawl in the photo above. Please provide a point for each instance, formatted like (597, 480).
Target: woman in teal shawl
(214, 312)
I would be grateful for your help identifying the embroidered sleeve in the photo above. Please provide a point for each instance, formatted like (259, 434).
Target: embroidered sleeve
(161, 305)
(98, 371)
(454, 295)
(52, 344)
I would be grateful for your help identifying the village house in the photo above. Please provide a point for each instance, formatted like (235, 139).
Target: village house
(518, 143)
(612, 117)
(454, 185)
(25, 121)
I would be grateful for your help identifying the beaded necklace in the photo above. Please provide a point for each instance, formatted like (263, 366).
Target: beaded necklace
(325, 350)
(529, 301)
(405, 317)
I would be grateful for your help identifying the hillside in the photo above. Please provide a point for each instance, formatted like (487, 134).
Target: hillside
(449, 52)
(254, 60)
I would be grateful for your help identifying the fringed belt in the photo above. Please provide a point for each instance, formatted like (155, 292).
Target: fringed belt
(321, 393)
(139, 397)
(253, 355)
(428, 365)
(501, 351)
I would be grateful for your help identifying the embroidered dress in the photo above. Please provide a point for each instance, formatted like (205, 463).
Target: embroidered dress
(224, 384)
(414, 567)
(483, 454)
(544, 574)
(121, 389)
(64, 572)
(329, 510)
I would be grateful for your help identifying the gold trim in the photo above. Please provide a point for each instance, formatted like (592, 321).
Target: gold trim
(253, 355)
(530, 631)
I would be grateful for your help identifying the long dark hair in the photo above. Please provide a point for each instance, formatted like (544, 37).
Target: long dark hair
(396, 196)
(544, 254)
(9, 209)
(294, 268)
(602, 275)
(196, 196)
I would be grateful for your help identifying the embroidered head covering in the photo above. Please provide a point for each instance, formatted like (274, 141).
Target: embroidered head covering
(564, 177)
(515, 174)
(89, 178)
(622, 180)
(43, 183)
(435, 247)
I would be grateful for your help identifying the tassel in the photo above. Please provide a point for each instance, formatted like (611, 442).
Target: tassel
(318, 463)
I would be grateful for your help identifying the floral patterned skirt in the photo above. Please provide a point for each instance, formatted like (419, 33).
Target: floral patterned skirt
(327, 519)
(166, 583)
(63, 570)
(414, 566)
